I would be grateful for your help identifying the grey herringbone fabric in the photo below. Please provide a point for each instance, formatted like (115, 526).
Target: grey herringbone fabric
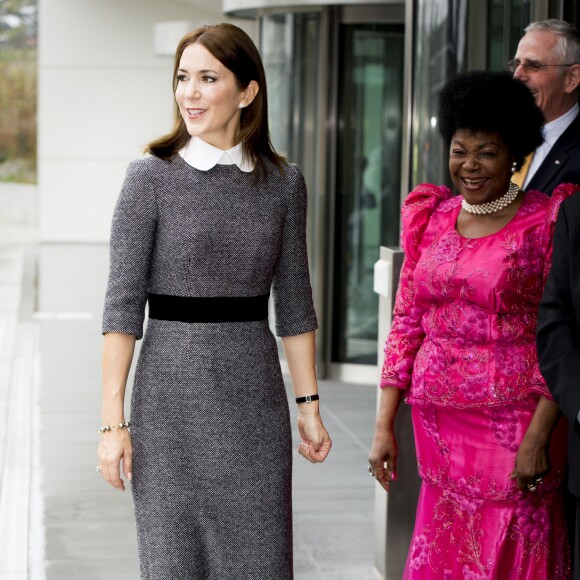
(209, 414)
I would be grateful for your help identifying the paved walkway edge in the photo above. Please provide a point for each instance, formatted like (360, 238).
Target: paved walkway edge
(21, 529)
(16, 473)
(36, 535)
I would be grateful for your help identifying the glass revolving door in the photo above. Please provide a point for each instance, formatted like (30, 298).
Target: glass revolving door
(368, 179)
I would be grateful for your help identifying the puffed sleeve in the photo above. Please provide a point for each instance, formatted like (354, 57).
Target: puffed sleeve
(293, 306)
(563, 191)
(406, 333)
(132, 239)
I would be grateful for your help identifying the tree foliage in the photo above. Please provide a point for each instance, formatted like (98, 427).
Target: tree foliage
(18, 86)
(18, 23)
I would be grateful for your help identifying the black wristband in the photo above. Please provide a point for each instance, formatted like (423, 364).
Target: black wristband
(307, 399)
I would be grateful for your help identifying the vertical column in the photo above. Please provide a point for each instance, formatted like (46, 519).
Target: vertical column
(394, 519)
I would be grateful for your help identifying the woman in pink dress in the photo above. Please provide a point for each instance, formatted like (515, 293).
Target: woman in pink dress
(489, 439)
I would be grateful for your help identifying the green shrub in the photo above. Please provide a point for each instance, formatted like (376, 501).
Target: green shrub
(18, 79)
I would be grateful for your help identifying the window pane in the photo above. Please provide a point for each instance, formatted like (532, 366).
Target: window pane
(440, 47)
(290, 48)
(513, 16)
(368, 180)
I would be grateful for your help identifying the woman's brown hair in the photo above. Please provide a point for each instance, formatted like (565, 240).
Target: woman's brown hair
(236, 51)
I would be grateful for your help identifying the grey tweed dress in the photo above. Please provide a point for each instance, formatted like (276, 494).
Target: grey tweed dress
(210, 424)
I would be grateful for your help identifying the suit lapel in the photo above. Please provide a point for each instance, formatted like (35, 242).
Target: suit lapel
(557, 158)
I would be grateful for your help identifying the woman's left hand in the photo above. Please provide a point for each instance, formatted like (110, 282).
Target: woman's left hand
(532, 462)
(316, 443)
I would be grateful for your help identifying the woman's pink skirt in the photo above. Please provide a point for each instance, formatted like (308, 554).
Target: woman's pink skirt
(472, 521)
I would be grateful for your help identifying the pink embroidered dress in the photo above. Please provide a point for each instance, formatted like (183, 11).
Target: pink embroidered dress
(463, 345)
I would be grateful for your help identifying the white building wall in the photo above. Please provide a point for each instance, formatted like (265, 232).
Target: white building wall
(103, 94)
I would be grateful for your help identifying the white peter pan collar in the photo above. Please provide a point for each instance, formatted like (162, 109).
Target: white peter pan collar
(203, 156)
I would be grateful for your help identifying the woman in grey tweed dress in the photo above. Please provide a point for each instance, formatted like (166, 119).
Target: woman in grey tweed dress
(203, 229)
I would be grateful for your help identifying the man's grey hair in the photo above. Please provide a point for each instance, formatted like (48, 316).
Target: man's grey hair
(568, 46)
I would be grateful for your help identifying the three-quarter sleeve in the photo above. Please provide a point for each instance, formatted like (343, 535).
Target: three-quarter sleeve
(293, 306)
(407, 334)
(132, 239)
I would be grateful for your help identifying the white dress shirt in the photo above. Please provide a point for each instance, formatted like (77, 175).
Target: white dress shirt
(552, 132)
(203, 156)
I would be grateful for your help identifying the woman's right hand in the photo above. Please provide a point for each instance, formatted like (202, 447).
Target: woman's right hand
(383, 454)
(315, 442)
(114, 448)
(383, 457)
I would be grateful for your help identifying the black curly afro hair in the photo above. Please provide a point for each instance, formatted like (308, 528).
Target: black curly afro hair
(493, 102)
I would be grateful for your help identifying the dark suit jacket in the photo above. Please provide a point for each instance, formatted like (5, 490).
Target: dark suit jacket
(562, 164)
(558, 336)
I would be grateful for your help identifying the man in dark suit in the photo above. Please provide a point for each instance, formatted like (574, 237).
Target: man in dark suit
(559, 339)
(547, 61)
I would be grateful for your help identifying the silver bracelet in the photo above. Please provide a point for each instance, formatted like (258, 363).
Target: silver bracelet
(122, 425)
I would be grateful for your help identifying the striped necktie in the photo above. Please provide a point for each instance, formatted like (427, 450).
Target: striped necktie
(520, 176)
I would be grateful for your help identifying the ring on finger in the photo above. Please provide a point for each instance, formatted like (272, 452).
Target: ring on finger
(371, 471)
(99, 469)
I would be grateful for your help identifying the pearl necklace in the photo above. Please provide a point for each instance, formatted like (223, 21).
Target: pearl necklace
(495, 205)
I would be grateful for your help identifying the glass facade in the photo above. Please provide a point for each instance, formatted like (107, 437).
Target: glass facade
(368, 155)
(512, 16)
(442, 43)
(440, 49)
(368, 179)
(290, 47)
(570, 12)
(336, 86)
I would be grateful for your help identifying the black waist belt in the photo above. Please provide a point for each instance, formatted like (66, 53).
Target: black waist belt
(208, 309)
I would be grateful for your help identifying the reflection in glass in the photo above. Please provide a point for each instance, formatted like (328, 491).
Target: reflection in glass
(440, 49)
(368, 184)
(513, 16)
(570, 12)
(290, 49)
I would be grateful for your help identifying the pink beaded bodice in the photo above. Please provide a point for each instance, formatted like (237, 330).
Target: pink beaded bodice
(464, 324)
